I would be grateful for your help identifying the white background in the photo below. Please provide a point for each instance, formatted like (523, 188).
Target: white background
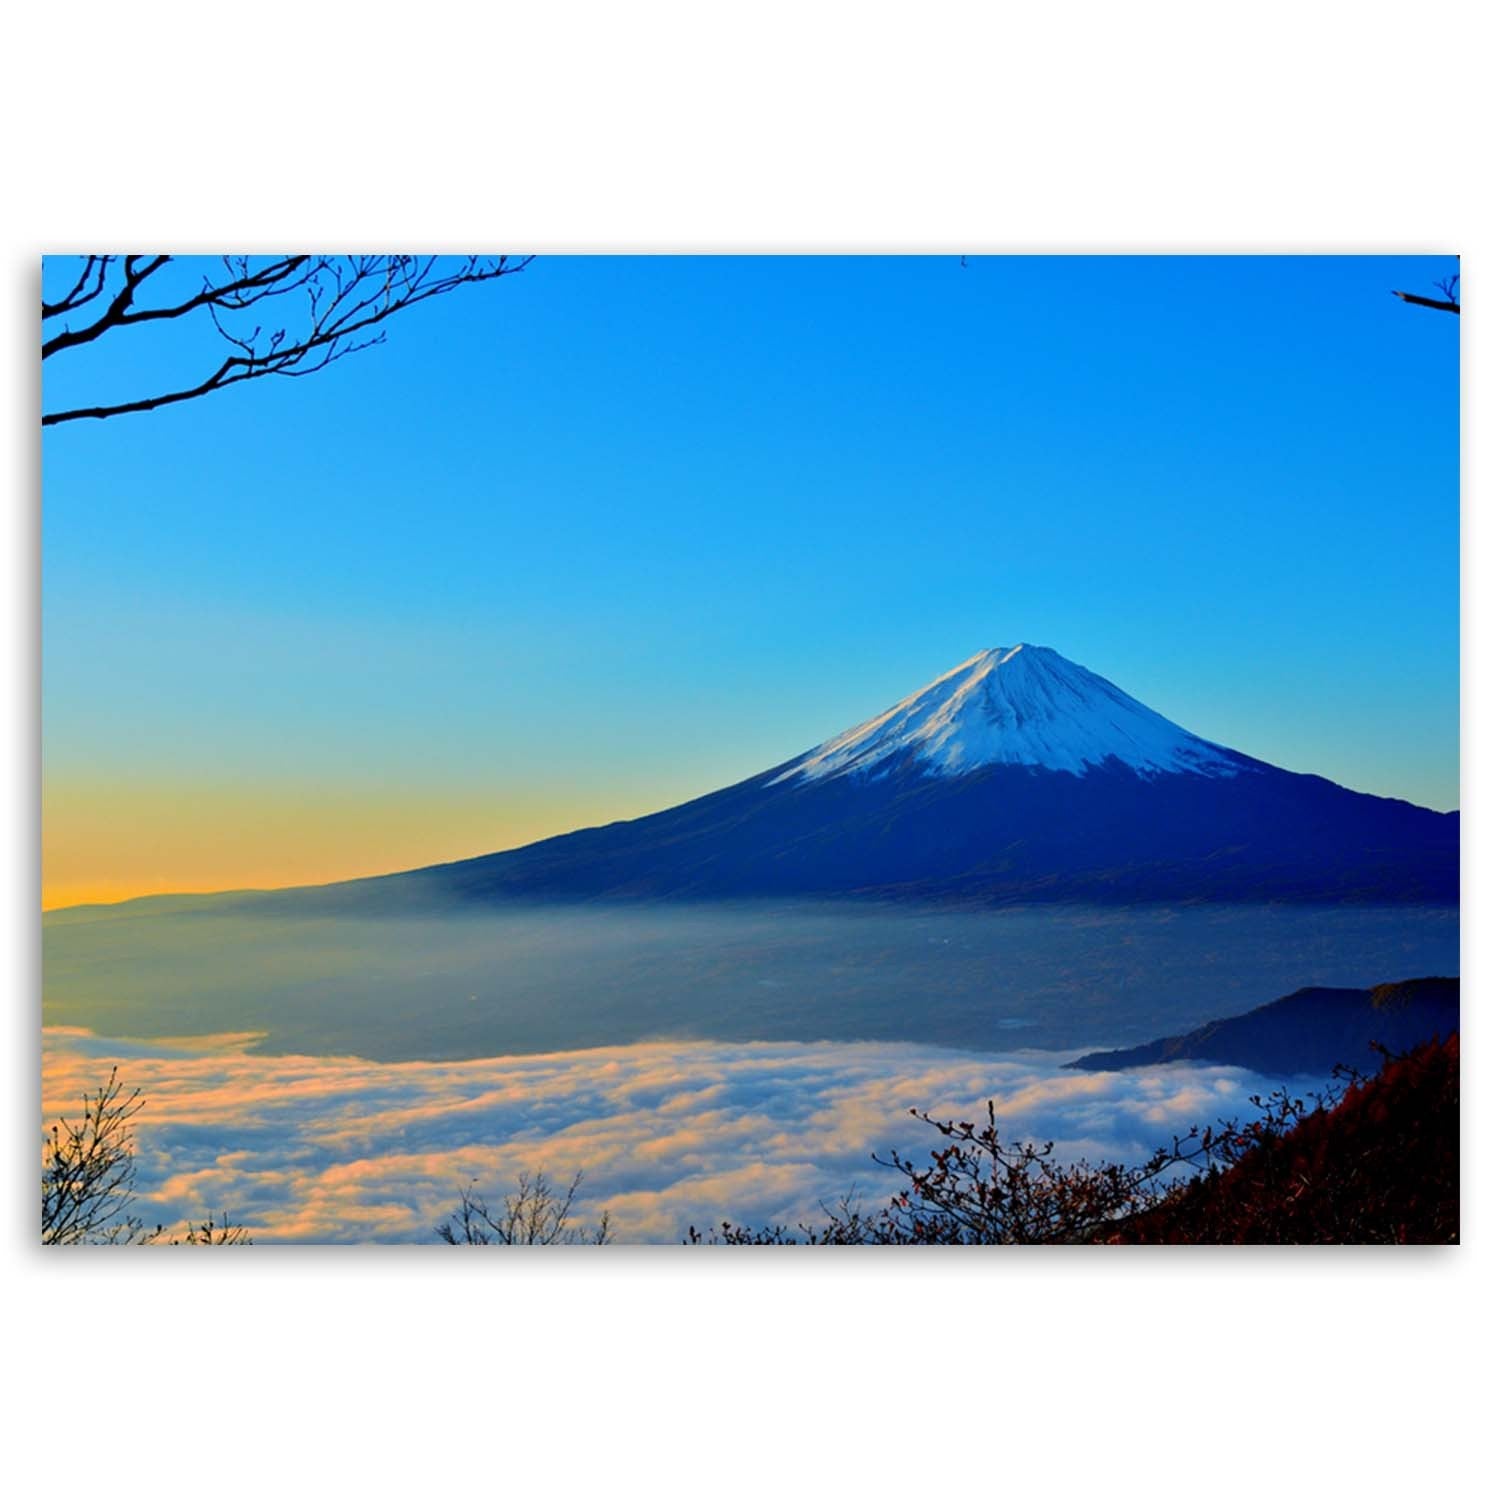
(951, 127)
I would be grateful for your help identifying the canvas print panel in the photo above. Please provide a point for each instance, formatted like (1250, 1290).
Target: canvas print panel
(750, 750)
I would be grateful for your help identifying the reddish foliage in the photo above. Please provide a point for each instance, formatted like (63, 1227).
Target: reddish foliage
(1378, 1167)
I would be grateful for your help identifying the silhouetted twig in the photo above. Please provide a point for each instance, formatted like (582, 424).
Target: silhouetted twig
(337, 307)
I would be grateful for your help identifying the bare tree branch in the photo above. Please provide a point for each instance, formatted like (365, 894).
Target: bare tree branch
(82, 292)
(1426, 301)
(209, 1232)
(1448, 286)
(115, 314)
(119, 313)
(88, 1170)
(347, 299)
(88, 1179)
(535, 1214)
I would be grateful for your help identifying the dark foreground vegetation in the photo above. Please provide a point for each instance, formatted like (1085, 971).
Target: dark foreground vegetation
(535, 1214)
(1368, 1160)
(88, 1180)
(1378, 1167)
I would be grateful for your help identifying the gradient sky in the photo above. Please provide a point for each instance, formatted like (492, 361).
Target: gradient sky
(616, 532)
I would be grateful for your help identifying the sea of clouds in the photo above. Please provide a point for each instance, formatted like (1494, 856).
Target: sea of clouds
(666, 1134)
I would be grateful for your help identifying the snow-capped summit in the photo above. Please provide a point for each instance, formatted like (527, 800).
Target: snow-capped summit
(1017, 706)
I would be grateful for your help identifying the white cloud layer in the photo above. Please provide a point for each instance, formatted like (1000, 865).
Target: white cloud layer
(666, 1134)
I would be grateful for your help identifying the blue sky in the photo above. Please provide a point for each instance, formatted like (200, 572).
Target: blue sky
(614, 532)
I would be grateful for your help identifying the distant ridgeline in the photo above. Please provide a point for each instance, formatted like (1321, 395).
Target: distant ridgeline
(1310, 1031)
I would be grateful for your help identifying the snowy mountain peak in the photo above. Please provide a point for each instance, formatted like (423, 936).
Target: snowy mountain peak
(1022, 706)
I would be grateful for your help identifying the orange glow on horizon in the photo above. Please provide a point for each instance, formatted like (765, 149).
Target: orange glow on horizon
(107, 841)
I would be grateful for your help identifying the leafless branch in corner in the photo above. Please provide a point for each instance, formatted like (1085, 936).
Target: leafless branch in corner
(88, 1179)
(291, 315)
(88, 1170)
(1448, 286)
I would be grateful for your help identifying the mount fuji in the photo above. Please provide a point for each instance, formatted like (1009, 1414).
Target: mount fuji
(1016, 776)
(1015, 706)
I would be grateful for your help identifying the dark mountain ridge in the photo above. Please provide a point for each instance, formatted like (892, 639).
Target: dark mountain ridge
(1310, 1031)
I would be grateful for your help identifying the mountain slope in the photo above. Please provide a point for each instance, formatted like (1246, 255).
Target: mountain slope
(1310, 1031)
(1018, 776)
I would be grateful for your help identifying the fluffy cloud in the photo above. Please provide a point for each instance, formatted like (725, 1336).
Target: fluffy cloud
(666, 1134)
